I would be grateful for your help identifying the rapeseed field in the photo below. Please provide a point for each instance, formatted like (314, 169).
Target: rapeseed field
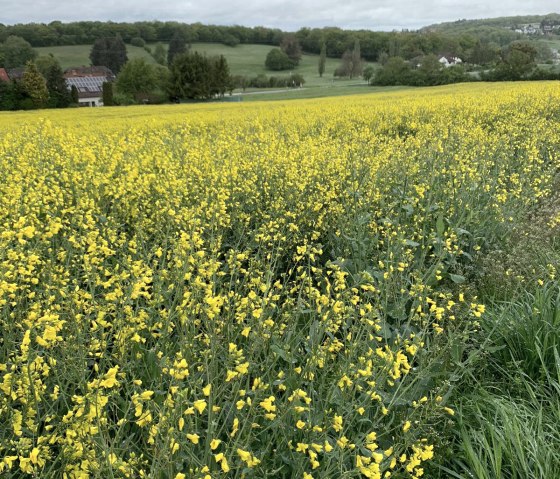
(252, 291)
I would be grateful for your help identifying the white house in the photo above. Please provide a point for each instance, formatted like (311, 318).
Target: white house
(450, 61)
(89, 83)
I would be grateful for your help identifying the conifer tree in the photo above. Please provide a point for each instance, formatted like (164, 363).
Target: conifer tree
(221, 77)
(74, 94)
(322, 59)
(59, 95)
(16, 52)
(108, 99)
(357, 63)
(34, 85)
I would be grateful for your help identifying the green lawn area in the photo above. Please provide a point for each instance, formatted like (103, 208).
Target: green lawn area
(552, 42)
(249, 60)
(336, 89)
(243, 60)
(78, 55)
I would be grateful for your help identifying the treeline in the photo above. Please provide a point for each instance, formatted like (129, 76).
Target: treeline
(375, 44)
(500, 30)
(405, 44)
(429, 72)
(87, 32)
(497, 22)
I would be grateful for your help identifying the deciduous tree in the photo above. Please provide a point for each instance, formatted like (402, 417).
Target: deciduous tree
(357, 62)
(369, 73)
(159, 54)
(345, 67)
(396, 71)
(16, 52)
(45, 62)
(351, 63)
(517, 61)
(137, 79)
(109, 52)
(429, 72)
(291, 47)
(277, 60)
(11, 95)
(138, 42)
(197, 77)
(177, 46)
(483, 53)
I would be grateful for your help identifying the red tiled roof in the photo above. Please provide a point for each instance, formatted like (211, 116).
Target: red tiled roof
(4, 75)
(95, 71)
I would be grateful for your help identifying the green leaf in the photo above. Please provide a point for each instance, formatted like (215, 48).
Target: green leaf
(457, 278)
(440, 225)
(280, 352)
(409, 209)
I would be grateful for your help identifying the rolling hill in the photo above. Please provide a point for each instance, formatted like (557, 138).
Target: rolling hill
(243, 60)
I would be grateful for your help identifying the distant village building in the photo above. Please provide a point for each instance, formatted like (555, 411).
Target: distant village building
(530, 29)
(4, 75)
(89, 83)
(15, 74)
(449, 61)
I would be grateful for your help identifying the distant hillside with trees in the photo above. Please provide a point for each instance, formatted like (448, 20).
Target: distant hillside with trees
(459, 26)
(501, 30)
(456, 38)
(191, 61)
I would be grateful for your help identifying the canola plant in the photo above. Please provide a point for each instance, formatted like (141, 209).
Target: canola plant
(254, 291)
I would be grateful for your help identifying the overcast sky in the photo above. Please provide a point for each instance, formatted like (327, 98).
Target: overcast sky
(285, 14)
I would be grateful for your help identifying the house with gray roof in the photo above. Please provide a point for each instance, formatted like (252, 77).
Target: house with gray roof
(89, 83)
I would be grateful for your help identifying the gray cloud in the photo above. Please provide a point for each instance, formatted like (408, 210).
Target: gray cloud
(285, 14)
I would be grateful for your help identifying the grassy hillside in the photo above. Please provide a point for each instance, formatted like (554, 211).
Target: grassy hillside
(249, 60)
(503, 22)
(78, 55)
(243, 60)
